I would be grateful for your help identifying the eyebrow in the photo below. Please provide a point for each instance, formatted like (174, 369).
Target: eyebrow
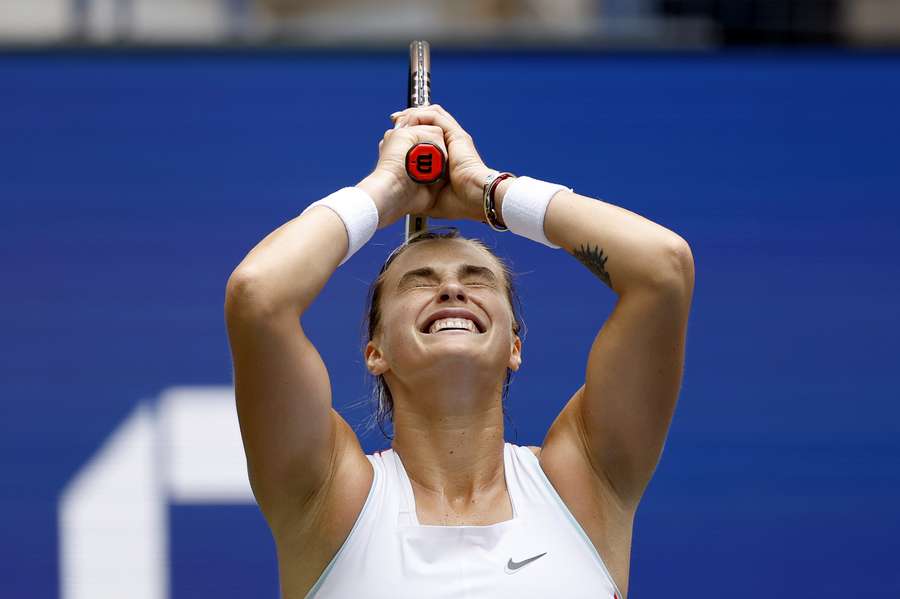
(464, 269)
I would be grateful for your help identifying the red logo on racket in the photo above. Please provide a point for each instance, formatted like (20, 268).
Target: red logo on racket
(425, 163)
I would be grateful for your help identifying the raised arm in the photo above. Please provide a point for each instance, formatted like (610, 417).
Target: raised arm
(620, 416)
(618, 420)
(292, 436)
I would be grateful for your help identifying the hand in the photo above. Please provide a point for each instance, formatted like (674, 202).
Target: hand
(394, 193)
(462, 197)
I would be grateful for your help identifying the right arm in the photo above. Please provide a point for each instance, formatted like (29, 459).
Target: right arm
(282, 388)
(292, 436)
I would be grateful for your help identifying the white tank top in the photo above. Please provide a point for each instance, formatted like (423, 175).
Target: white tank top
(541, 552)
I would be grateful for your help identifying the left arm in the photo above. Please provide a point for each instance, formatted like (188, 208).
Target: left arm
(618, 420)
(621, 415)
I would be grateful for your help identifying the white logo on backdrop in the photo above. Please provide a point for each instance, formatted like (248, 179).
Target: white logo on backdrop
(184, 448)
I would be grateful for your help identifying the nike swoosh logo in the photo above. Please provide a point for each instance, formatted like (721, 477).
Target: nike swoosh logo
(513, 567)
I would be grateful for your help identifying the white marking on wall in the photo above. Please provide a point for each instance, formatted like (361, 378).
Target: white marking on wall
(113, 515)
(204, 456)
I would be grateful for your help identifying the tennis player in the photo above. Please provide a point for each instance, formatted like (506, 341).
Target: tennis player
(451, 510)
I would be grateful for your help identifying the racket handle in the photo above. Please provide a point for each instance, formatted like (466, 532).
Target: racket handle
(426, 163)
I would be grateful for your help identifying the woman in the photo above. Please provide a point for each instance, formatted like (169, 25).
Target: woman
(451, 510)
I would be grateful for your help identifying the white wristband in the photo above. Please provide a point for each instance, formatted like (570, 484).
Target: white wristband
(525, 205)
(358, 211)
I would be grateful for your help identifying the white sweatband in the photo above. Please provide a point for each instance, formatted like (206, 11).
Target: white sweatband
(525, 205)
(358, 211)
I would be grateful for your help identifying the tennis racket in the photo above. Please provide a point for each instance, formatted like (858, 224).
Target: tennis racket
(425, 162)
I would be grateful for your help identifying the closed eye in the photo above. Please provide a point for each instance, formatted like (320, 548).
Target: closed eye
(471, 275)
(481, 281)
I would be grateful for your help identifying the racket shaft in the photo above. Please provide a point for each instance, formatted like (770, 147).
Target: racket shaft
(419, 87)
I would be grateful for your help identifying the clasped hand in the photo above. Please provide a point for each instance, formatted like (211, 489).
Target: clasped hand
(456, 198)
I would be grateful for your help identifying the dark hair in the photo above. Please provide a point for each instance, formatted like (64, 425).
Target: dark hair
(381, 394)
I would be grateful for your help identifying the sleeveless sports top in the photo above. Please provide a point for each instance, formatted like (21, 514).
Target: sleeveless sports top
(541, 552)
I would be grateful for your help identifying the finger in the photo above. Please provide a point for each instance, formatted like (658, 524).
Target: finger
(426, 117)
(436, 115)
(407, 111)
(430, 134)
(429, 108)
(437, 106)
(399, 114)
(405, 119)
(429, 129)
(440, 110)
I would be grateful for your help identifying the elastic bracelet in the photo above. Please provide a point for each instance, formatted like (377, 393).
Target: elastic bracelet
(525, 205)
(358, 212)
(490, 211)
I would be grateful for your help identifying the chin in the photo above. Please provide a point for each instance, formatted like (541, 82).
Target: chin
(459, 356)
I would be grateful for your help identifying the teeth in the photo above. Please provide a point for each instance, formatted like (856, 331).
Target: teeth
(453, 323)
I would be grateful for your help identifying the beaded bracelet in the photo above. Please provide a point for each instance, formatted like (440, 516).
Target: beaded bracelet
(490, 211)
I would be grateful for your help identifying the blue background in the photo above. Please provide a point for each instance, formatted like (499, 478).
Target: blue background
(131, 185)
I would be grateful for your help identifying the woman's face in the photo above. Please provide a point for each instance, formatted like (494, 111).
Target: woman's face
(444, 306)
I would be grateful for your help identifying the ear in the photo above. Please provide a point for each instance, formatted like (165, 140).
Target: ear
(375, 361)
(515, 357)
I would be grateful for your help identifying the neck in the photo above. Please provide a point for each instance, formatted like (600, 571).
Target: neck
(449, 435)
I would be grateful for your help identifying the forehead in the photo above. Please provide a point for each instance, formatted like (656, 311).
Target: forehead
(442, 254)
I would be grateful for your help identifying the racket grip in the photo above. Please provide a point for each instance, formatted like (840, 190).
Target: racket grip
(426, 163)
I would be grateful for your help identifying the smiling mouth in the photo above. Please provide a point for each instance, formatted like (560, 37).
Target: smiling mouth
(452, 325)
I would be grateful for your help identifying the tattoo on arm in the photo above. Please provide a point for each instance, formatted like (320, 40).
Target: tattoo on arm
(594, 259)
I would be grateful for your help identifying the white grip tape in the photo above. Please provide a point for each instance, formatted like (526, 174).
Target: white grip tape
(358, 212)
(525, 205)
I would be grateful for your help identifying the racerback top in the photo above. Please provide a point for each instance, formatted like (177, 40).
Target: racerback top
(541, 552)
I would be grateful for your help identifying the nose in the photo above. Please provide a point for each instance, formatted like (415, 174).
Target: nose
(452, 289)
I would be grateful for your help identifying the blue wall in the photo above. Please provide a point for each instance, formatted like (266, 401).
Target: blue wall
(131, 185)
